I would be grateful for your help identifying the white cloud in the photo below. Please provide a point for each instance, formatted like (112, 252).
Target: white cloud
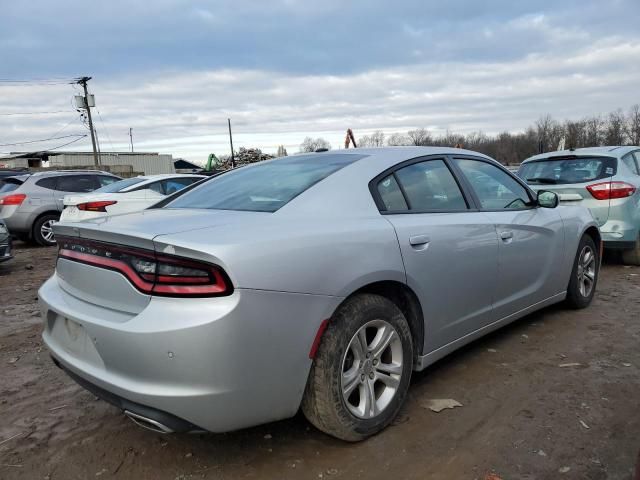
(185, 112)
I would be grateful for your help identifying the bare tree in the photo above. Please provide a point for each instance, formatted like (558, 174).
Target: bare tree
(312, 144)
(615, 128)
(593, 131)
(398, 139)
(420, 137)
(633, 125)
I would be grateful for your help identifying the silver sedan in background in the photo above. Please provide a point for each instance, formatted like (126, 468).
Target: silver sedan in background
(317, 281)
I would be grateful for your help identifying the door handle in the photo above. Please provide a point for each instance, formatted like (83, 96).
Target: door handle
(419, 240)
(506, 236)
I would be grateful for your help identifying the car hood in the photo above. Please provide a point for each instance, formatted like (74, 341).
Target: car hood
(140, 228)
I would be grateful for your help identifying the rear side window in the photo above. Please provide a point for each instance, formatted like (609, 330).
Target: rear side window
(391, 195)
(264, 187)
(8, 186)
(49, 183)
(77, 183)
(174, 185)
(105, 180)
(552, 171)
(430, 186)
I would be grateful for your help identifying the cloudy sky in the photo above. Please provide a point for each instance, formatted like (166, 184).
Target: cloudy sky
(175, 70)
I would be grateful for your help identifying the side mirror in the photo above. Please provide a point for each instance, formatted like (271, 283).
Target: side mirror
(547, 199)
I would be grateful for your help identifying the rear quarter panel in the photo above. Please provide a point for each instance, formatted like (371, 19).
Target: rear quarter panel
(315, 256)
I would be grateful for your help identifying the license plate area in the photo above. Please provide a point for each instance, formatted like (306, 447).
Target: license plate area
(73, 338)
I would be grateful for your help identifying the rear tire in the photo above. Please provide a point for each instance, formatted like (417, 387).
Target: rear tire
(632, 256)
(42, 233)
(361, 373)
(584, 276)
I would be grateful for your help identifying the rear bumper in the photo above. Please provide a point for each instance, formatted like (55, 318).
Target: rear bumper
(217, 363)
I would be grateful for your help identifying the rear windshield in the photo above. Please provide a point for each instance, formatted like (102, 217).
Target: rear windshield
(264, 187)
(553, 171)
(119, 185)
(9, 185)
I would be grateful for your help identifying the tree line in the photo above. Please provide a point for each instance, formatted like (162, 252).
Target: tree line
(546, 134)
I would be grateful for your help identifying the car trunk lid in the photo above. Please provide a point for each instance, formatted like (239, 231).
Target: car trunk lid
(110, 289)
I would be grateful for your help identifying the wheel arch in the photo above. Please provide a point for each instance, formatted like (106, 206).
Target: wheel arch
(38, 217)
(405, 299)
(593, 232)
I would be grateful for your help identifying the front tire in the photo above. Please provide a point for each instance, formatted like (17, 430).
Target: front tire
(584, 276)
(361, 373)
(42, 231)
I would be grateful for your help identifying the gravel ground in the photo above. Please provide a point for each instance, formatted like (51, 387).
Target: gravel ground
(555, 395)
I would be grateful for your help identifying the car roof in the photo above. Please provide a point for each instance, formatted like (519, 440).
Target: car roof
(611, 151)
(50, 173)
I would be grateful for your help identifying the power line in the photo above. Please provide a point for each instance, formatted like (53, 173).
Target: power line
(106, 131)
(63, 145)
(34, 113)
(43, 140)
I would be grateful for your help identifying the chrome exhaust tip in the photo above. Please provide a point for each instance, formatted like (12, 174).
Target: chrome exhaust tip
(147, 423)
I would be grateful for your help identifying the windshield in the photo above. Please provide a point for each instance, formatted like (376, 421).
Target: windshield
(553, 171)
(119, 185)
(264, 187)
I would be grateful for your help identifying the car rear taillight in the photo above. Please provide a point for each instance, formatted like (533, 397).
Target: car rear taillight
(162, 275)
(611, 190)
(96, 206)
(15, 199)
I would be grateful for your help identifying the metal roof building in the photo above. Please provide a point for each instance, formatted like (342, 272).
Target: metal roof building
(138, 162)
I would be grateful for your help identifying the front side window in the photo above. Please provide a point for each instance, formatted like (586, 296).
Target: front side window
(105, 180)
(495, 188)
(264, 187)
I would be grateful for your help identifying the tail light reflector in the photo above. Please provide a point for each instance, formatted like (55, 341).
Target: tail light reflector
(96, 206)
(161, 275)
(15, 199)
(611, 190)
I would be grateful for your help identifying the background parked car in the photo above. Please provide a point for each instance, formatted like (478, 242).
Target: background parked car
(604, 179)
(30, 204)
(5, 242)
(124, 196)
(316, 280)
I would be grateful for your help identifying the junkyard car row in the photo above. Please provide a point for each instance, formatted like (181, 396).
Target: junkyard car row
(343, 272)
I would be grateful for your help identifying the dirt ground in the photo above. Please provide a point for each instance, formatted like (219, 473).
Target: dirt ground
(524, 416)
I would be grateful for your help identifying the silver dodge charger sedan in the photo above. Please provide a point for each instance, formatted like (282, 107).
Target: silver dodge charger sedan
(316, 281)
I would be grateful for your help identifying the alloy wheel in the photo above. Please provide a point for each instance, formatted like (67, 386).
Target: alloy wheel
(46, 230)
(586, 271)
(371, 369)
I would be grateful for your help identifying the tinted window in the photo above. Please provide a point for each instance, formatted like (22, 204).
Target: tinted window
(630, 162)
(6, 187)
(174, 185)
(120, 185)
(495, 188)
(49, 183)
(155, 186)
(105, 180)
(430, 186)
(568, 170)
(264, 187)
(391, 195)
(76, 183)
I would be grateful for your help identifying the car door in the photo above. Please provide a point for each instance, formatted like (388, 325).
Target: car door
(531, 239)
(449, 251)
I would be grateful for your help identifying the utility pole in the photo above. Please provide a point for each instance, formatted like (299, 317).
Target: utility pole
(233, 159)
(83, 81)
(131, 137)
